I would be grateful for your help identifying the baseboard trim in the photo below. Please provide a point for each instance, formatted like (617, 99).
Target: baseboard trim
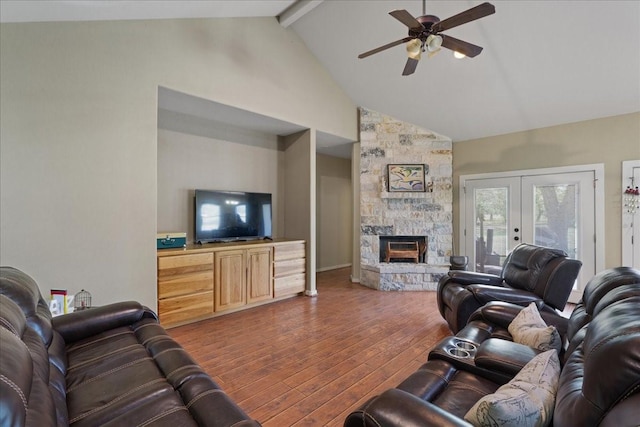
(333, 267)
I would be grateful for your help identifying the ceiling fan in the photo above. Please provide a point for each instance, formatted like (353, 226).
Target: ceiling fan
(424, 34)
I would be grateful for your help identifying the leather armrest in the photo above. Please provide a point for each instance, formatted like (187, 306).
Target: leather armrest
(81, 324)
(498, 313)
(485, 294)
(396, 407)
(501, 314)
(503, 356)
(473, 278)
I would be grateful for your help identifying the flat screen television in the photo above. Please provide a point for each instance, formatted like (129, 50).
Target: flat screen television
(222, 216)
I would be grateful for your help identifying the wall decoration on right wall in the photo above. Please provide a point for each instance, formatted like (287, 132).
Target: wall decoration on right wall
(630, 208)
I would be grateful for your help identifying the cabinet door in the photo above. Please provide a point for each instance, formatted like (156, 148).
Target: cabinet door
(230, 279)
(260, 279)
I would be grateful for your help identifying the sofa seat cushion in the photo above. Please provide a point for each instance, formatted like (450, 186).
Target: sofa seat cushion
(200, 394)
(526, 401)
(447, 387)
(112, 376)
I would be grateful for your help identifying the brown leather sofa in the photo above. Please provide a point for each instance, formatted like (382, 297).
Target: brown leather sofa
(109, 366)
(530, 274)
(599, 382)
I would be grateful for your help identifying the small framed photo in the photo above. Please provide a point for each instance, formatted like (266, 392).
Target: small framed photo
(406, 178)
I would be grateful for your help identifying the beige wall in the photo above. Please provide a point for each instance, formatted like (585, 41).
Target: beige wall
(608, 140)
(78, 141)
(300, 196)
(334, 212)
(187, 162)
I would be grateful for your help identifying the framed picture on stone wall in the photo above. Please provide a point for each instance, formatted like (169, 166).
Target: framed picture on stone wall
(406, 178)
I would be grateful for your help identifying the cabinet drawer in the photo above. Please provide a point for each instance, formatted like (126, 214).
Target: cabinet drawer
(289, 251)
(181, 264)
(289, 285)
(182, 284)
(289, 267)
(185, 308)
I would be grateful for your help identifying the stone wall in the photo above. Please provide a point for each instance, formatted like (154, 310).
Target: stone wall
(383, 141)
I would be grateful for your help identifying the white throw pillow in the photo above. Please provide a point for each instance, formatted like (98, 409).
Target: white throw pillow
(525, 401)
(530, 329)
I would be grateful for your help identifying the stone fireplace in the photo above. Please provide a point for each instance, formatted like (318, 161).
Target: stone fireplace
(397, 216)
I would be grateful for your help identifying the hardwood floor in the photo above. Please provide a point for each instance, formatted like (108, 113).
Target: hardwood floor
(311, 361)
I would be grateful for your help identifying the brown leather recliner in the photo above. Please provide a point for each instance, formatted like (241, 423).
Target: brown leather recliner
(492, 320)
(529, 274)
(599, 383)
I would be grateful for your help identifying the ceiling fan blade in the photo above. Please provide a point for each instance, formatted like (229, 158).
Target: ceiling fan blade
(461, 46)
(472, 14)
(407, 19)
(410, 66)
(386, 46)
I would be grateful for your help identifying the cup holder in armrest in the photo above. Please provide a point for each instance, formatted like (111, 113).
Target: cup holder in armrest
(465, 345)
(455, 350)
(464, 354)
(461, 348)
(458, 352)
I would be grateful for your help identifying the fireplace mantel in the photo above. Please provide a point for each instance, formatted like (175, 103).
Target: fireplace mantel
(406, 195)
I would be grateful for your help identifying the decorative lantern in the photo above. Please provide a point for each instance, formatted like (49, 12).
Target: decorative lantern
(82, 300)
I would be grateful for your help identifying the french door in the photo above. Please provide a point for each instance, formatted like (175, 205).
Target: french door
(556, 210)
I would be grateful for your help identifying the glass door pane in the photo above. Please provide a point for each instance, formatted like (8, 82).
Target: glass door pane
(491, 221)
(558, 212)
(555, 213)
(490, 230)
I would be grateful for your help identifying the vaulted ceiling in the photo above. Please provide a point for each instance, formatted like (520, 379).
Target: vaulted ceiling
(544, 63)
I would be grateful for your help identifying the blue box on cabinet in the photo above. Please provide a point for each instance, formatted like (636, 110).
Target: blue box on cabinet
(171, 240)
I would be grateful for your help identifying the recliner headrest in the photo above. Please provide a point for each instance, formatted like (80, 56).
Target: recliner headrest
(25, 293)
(580, 319)
(526, 262)
(620, 293)
(11, 317)
(602, 283)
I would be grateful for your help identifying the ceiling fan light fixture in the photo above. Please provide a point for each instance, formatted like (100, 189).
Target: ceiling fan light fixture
(424, 34)
(414, 48)
(458, 55)
(433, 42)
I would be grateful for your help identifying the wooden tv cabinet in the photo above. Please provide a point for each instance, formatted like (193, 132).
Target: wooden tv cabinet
(203, 281)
